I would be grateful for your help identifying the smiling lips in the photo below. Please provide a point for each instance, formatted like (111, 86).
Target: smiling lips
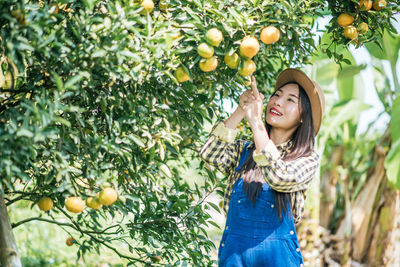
(275, 112)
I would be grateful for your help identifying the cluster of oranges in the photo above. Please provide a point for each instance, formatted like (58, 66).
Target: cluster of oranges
(346, 20)
(248, 48)
(75, 204)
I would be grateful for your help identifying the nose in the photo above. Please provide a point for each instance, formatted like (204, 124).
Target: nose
(279, 101)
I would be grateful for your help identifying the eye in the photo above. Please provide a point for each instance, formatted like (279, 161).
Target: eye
(292, 100)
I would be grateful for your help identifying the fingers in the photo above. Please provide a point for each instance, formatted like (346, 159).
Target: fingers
(254, 87)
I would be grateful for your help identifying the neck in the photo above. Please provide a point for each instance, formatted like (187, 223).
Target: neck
(279, 136)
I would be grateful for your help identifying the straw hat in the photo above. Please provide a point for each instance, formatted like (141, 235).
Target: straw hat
(312, 89)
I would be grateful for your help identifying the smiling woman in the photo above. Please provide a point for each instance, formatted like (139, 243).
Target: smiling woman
(267, 177)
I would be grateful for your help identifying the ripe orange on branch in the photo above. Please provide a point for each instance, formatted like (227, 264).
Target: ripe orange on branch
(362, 28)
(148, 6)
(205, 50)
(45, 204)
(208, 64)
(248, 68)
(270, 35)
(365, 5)
(108, 196)
(379, 4)
(19, 16)
(345, 19)
(93, 203)
(54, 9)
(181, 75)
(350, 32)
(75, 204)
(247, 82)
(70, 241)
(249, 46)
(232, 61)
(214, 37)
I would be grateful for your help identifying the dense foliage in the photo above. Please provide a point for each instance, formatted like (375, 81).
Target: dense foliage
(90, 100)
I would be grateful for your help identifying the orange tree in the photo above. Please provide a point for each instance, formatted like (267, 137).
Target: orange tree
(99, 97)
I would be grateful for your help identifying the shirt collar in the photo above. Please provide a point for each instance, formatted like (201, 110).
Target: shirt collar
(283, 147)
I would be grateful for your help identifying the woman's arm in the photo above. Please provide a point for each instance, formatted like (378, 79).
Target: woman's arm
(286, 176)
(220, 149)
(237, 116)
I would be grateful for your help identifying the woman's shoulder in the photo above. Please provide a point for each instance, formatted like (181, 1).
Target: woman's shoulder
(313, 155)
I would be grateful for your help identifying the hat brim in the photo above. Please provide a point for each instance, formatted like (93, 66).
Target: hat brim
(313, 91)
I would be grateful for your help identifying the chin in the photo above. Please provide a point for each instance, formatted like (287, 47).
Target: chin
(268, 120)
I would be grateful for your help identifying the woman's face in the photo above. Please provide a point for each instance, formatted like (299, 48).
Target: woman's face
(283, 108)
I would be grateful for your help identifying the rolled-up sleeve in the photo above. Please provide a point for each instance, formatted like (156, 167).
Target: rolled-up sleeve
(286, 176)
(221, 150)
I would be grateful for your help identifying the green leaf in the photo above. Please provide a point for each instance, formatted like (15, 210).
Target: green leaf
(215, 207)
(24, 132)
(395, 120)
(136, 139)
(165, 169)
(58, 81)
(392, 164)
(99, 53)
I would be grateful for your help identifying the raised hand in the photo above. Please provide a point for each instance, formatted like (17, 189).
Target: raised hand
(251, 101)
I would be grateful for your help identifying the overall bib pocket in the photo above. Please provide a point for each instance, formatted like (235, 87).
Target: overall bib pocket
(263, 211)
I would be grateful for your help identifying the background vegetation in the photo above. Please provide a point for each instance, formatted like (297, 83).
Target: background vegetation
(90, 100)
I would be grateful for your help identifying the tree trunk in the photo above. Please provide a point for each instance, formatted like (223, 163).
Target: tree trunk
(382, 250)
(328, 188)
(8, 248)
(363, 207)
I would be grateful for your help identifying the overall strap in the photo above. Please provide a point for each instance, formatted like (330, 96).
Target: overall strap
(243, 156)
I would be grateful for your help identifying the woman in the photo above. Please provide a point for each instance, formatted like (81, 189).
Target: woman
(267, 177)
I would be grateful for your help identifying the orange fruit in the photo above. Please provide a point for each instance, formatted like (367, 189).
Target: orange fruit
(175, 35)
(108, 196)
(350, 32)
(249, 46)
(379, 4)
(214, 37)
(248, 68)
(93, 203)
(270, 35)
(232, 61)
(53, 9)
(156, 258)
(19, 16)
(345, 20)
(247, 82)
(148, 6)
(70, 241)
(208, 64)
(45, 203)
(75, 204)
(362, 28)
(181, 75)
(365, 5)
(205, 50)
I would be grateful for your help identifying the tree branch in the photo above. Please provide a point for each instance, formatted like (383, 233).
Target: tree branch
(15, 225)
(99, 240)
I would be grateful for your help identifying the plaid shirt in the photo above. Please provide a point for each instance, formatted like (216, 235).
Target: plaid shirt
(223, 151)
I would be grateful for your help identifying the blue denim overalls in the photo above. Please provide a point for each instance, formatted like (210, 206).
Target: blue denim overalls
(255, 236)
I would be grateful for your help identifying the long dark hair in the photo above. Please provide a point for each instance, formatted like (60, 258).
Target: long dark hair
(302, 144)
